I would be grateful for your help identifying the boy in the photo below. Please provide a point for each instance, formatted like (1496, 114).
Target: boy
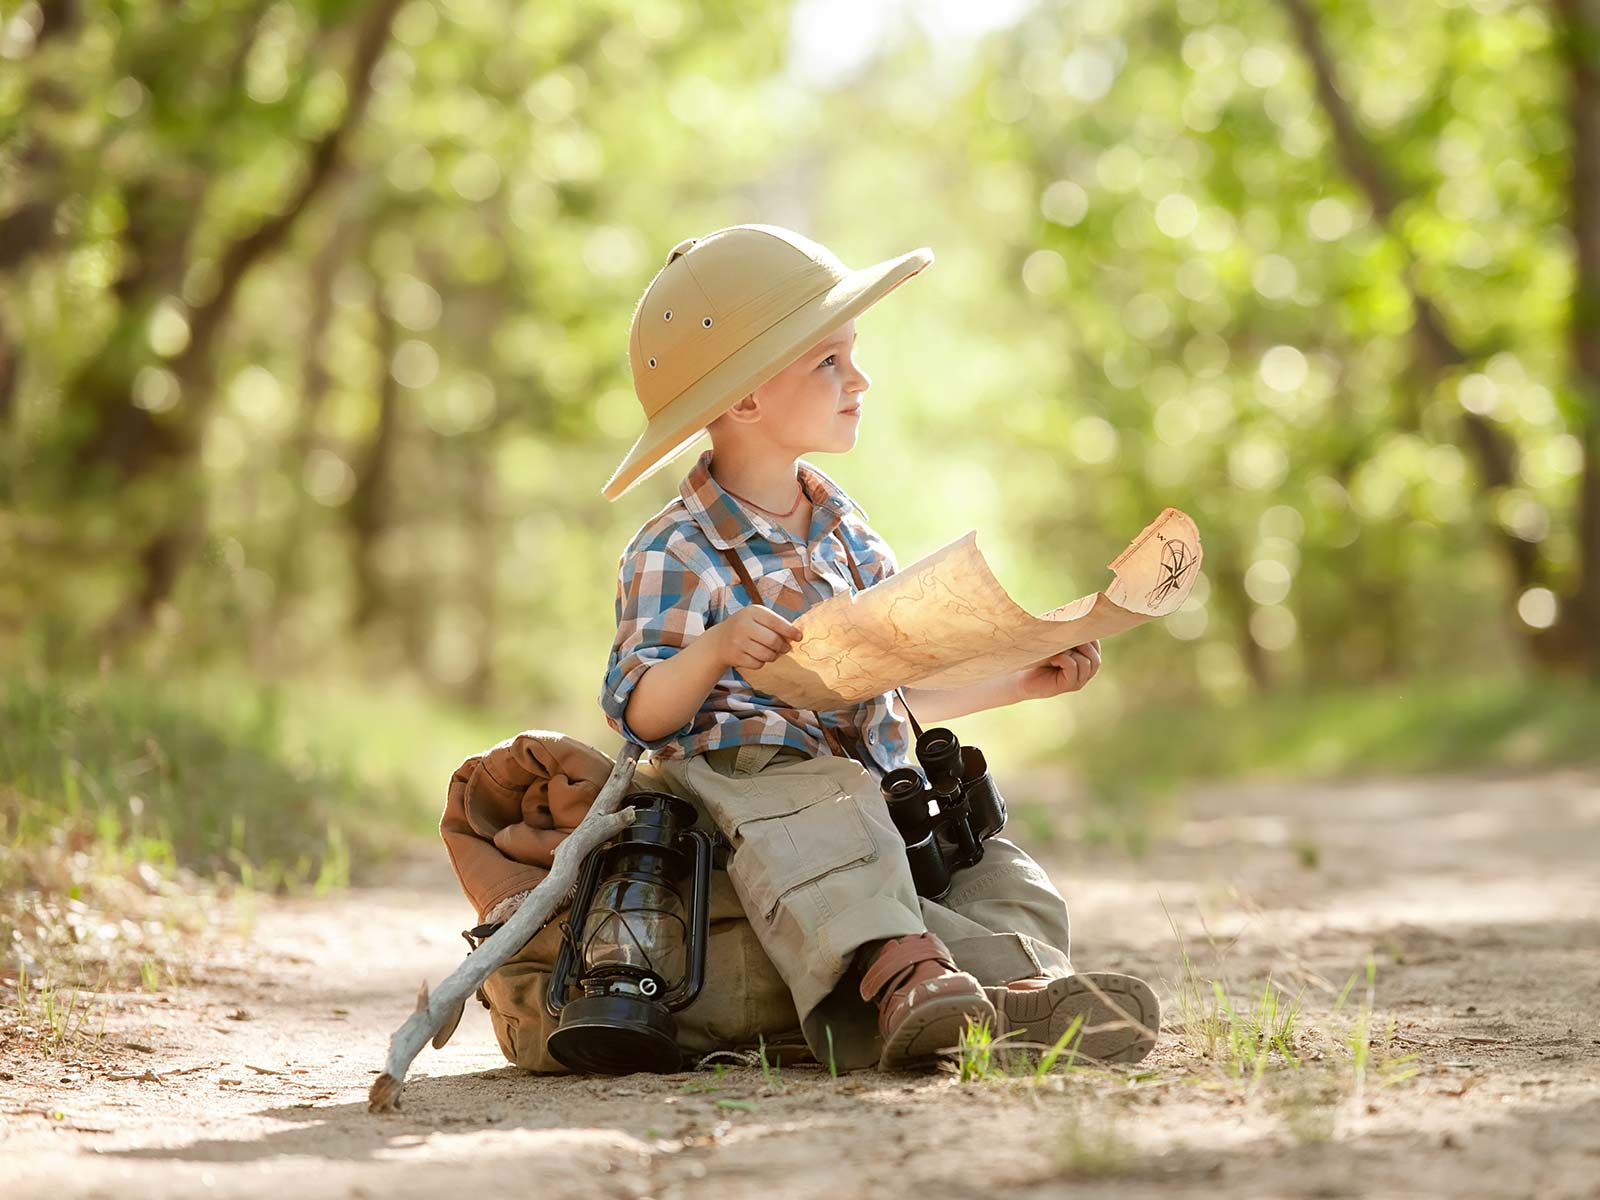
(748, 333)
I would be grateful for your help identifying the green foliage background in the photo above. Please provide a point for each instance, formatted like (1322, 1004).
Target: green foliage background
(313, 321)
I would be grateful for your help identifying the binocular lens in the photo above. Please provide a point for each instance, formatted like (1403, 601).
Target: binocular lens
(940, 754)
(907, 801)
(904, 784)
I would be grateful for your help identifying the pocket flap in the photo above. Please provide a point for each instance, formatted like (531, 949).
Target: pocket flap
(773, 794)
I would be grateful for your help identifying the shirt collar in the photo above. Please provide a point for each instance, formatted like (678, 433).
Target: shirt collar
(726, 522)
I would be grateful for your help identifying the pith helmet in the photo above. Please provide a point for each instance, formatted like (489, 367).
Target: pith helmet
(726, 313)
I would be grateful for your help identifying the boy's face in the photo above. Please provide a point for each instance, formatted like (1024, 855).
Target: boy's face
(812, 406)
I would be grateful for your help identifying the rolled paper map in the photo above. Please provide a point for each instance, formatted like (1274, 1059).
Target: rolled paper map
(945, 621)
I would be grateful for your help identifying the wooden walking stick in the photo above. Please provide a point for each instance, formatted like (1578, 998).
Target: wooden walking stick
(600, 824)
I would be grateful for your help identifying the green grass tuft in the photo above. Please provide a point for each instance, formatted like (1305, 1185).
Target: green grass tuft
(1271, 1031)
(982, 1057)
(56, 1019)
(975, 1053)
(1366, 1058)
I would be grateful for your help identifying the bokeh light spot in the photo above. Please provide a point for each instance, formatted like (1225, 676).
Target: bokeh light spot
(415, 364)
(1273, 628)
(1538, 607)
(1283, 368)
(1275, 277)
(1093, 440)
(1064, 202)
(1177, 215)
(1044, 272)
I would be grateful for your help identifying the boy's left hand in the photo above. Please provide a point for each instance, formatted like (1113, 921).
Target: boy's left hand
(1064, 672)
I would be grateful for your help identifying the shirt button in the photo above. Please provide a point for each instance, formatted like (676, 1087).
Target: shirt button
(872, 735)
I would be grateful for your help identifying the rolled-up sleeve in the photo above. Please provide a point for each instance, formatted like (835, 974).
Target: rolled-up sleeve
(662, 605)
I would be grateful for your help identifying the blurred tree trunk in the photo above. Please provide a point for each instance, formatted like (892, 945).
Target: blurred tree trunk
(367, 510)
(1383, 604)
(10, 450)
(27, 229)
(1581, 45)
(160, 561)
(10, 369)
(1381, 594)
(315, 383)
(483, 513)
(30, 227)
(1437, 351)
(128, 442)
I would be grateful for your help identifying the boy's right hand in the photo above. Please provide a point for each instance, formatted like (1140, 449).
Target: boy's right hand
(752, 637)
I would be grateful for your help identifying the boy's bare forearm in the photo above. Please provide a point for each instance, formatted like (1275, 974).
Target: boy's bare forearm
(673, 690)
(944, 704)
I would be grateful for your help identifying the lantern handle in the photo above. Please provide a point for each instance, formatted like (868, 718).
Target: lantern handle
(699, 920)
(555, 992)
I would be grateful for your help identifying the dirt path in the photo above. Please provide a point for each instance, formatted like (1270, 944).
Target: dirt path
(1478, 898)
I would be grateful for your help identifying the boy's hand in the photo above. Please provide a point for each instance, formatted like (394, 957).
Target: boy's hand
(752, 637)
(1064, 672)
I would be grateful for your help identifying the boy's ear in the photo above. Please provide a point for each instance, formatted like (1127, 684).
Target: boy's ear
(745, 410)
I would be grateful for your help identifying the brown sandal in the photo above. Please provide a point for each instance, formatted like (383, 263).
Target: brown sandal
(923, 1001)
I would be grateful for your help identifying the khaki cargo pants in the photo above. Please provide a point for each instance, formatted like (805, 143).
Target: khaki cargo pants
(821, 870)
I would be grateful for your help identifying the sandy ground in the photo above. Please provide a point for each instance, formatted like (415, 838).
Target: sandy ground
(1479, 900)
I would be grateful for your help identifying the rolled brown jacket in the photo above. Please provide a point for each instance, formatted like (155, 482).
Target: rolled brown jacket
(510, 806)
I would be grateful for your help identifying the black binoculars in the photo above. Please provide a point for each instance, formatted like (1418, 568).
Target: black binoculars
(945, 818)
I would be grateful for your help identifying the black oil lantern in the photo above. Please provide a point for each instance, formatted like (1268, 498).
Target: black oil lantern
(633, 950)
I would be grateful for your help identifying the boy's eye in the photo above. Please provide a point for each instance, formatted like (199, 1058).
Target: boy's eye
(827, 360)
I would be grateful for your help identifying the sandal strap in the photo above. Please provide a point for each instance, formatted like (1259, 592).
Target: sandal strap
(899, 958)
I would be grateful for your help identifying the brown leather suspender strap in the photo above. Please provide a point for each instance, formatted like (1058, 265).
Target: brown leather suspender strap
(834, 742)
(744, 576)
(837, 746)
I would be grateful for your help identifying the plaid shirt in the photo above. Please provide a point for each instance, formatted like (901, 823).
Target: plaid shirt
(673, 583)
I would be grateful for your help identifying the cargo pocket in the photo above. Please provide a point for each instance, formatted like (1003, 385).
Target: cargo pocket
(792, 830)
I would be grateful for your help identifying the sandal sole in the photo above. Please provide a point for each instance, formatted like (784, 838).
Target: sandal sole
(1121, 1014)
(933, 1028)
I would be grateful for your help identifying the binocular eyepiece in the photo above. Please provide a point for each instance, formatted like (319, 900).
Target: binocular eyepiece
(946, 817)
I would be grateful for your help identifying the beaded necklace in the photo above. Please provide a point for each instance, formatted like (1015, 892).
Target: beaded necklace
(800, 496)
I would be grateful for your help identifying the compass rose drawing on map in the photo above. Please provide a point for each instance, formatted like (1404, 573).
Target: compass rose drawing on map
(1177, 564)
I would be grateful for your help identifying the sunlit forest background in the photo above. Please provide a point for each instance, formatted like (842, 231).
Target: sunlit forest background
(313, 320)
